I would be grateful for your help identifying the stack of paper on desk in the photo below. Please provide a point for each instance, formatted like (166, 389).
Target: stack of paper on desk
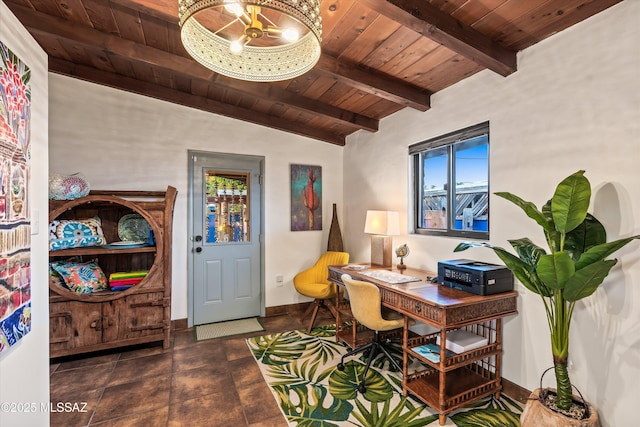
(390, 276)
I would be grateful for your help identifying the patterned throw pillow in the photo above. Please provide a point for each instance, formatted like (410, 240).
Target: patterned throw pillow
(81, 277)
(55, 279)
(68, 233)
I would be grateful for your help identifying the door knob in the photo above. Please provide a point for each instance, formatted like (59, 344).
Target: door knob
(198, 249)
(198, 238)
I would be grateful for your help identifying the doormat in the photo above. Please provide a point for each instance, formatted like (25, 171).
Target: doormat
(225, 329)
(301, 371)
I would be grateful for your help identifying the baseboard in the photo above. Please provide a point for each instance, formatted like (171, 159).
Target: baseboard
(514, 391)
(280, 310)
(179, 324)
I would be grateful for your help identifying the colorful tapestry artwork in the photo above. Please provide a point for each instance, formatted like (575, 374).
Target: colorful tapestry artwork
(306, 198)
(15, 225)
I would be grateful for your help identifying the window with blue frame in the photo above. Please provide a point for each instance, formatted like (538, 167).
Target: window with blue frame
(451, 183)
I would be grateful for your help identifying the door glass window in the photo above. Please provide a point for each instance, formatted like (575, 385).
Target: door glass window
(227, 207)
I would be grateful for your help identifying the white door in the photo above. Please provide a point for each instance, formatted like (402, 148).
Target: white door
(226, 237)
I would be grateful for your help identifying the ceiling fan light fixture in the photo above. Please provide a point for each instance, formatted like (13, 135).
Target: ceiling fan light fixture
(236, 46)
(289, 55)
(234, 7)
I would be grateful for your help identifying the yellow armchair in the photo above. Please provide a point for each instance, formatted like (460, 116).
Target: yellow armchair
(314, 283)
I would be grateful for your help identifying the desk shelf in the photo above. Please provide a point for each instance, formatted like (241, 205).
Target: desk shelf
(462, 385)
(457, 360)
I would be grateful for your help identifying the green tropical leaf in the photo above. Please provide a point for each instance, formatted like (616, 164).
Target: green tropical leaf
(570, 202)
(529, 252)
(323, 350)
(312, 408)
(296, 374)
(380, 414)
(382, 361)
(523, 271)
(463, 246)
(344, 384)
(506, 403)
(502, 404)
(602, 251)
(586, 280)
(588, 234)
(488, 417)
(555, 269)
(396, 381)
(551, 234)
(324, 331)
(278, 349)
(529, 208)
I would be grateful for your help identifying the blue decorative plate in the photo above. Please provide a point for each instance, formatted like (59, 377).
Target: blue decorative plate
(126, 244)
(133, 228)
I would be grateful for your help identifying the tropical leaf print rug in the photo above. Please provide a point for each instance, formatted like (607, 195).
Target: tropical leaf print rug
(301, 371)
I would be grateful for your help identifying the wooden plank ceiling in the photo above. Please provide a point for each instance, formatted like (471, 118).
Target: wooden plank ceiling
(378, 56)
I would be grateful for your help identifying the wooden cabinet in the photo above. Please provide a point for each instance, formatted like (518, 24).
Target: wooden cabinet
(82, 323)
(451, 380)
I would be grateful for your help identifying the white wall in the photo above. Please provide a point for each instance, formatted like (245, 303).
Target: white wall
(124, 141)
(24, 368)
(574, 103)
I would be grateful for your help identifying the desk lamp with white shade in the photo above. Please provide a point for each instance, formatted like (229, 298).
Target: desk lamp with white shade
(382, 225)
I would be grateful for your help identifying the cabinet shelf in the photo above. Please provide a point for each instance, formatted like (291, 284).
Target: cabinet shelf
(462, 385)
(457, 359)
(96, 250)
(81, 323)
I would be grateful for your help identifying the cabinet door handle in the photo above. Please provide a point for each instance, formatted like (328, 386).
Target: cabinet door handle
(97, 324)
(106, 322)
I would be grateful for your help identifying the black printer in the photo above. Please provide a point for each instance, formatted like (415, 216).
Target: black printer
(477, 277)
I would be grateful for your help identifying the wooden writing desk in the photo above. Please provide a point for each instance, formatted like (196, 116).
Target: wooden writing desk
(452, 381)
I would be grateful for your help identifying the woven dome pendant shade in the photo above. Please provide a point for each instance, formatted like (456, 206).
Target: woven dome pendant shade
(282, 61)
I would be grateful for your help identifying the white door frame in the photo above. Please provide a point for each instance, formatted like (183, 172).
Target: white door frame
(190, 233)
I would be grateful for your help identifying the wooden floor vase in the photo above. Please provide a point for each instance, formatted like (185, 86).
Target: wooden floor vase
(536, 414)
(335, 236)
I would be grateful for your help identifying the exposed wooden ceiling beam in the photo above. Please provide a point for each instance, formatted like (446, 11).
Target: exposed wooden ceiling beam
(165, 10)
(377, 84)
(128, 84)
(426, 19)
(291, 99)
(38, 23)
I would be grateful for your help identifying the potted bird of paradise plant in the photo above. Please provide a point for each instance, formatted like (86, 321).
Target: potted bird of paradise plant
(574, 268)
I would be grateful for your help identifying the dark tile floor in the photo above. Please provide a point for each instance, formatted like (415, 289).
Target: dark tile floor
(201, 384)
